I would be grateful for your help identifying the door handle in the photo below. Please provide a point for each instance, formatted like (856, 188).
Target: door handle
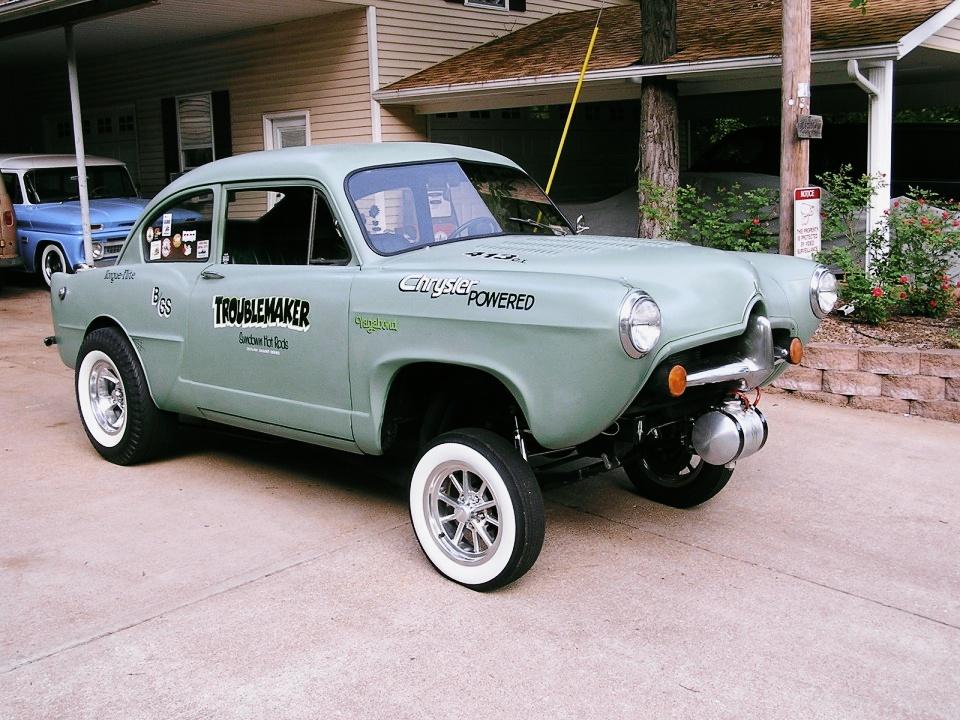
(211, 275)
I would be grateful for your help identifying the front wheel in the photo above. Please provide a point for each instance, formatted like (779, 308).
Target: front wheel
(52, 260)
(666, 470)
(476, 509)
(118, 414)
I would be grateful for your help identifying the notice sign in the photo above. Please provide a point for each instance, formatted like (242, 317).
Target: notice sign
(806, 222)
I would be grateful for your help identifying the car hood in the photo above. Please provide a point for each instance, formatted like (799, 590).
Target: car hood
(109, 212)
(697, 288)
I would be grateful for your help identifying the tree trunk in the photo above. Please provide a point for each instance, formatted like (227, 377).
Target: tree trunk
(659, 147)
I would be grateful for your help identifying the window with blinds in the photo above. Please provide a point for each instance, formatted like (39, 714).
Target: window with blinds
(195, 128)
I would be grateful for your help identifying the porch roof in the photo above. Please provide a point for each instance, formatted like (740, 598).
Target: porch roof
(721, 35)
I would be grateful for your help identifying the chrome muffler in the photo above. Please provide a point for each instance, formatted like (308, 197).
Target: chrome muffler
(729, 432)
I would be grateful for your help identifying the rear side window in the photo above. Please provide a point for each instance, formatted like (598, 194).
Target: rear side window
(180, 231)
(12, 183)
(281, 225)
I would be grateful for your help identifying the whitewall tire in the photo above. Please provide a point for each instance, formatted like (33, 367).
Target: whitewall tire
(52, 260)
(117, 411)
(476, 509)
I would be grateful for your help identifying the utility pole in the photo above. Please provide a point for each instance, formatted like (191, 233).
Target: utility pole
(795, 103)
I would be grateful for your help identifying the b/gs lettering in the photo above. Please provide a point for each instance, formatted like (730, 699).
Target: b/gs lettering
(164, 305)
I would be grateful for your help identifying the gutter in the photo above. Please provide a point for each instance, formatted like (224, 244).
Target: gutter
(632, 73)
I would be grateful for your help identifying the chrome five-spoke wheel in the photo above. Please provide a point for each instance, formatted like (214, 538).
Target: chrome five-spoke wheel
(107, 400)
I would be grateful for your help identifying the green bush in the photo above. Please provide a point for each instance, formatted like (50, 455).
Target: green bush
(729, 219)
(910, 254)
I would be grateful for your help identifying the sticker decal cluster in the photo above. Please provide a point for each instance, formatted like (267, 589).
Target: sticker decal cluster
(261, 312)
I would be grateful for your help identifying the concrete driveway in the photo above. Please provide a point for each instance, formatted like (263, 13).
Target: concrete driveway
(244, 578)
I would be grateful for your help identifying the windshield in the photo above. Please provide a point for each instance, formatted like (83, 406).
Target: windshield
(409, 206)
(48, 185)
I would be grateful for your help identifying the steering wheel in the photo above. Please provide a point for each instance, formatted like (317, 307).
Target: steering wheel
(484, 226)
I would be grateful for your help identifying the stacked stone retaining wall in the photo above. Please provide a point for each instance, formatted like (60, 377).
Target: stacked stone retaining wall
(889, 379)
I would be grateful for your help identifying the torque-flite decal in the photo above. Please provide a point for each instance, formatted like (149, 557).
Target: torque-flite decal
(373, 324)
(261, 312)
(114, 275)
(460, 286)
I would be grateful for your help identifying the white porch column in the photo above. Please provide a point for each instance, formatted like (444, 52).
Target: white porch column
(880, 141)
(78, 145)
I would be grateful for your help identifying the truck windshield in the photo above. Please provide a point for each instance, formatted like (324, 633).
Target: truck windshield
(46, 185)
(404, 207)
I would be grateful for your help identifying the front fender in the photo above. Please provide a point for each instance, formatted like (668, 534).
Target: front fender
(562, 359)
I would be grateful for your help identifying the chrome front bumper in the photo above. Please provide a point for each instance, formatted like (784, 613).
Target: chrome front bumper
(754, 361)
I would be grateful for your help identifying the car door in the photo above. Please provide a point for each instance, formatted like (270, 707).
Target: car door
(267, 339)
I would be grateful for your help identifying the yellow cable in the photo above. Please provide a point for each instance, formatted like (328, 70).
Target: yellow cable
(576, 96)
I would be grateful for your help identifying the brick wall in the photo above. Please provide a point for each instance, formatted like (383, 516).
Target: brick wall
(888, 379)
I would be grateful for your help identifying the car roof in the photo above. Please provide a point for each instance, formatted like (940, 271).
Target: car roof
(30, 161)
(331, 162)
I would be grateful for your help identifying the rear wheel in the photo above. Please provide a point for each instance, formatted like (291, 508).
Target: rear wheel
(52, 260)
(118, 414)
(665, 469)
(476, 509)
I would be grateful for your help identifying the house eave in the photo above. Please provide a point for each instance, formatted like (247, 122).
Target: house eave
(633, 73)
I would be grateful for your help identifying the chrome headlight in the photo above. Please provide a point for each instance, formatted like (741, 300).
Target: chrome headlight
(97, 250)
(823, 292)
(639, 324)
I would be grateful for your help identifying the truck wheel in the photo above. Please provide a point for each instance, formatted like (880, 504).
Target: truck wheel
(669, 473)
(52, 260)
(118, 414)
(476, 509)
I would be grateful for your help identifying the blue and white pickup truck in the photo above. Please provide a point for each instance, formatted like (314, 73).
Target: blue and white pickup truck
(47, 206)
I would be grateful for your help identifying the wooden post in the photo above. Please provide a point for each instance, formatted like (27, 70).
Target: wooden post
(795, 101)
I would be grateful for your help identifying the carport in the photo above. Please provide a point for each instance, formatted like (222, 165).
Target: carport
(34, 34)
(728, 53)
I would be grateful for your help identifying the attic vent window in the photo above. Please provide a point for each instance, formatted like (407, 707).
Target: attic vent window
(514, 5)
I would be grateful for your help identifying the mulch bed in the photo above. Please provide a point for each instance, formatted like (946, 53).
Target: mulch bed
(918, 332)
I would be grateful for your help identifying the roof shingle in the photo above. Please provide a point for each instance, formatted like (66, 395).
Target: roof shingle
(718, 30)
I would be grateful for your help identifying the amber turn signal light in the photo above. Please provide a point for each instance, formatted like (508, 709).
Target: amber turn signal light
(796, 351)
(677, 380)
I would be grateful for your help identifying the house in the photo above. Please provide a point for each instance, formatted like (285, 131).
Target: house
(169, 84)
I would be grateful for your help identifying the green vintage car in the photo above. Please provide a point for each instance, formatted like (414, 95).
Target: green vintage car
(430, 303)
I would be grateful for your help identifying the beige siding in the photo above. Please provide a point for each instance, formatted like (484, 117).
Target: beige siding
(319, 65)
(414, 35)
(948, 38)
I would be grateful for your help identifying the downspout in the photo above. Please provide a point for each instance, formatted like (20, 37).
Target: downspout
(78, 146)
(878, 84)
(373, 62)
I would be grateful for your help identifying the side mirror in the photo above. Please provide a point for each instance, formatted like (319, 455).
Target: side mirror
(580, 226)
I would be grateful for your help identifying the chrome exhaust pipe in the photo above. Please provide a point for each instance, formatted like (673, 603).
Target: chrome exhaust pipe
(729, 432)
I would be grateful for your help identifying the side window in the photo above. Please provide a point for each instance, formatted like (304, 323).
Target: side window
(12, 183)
(180, 230)
(281, 225)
